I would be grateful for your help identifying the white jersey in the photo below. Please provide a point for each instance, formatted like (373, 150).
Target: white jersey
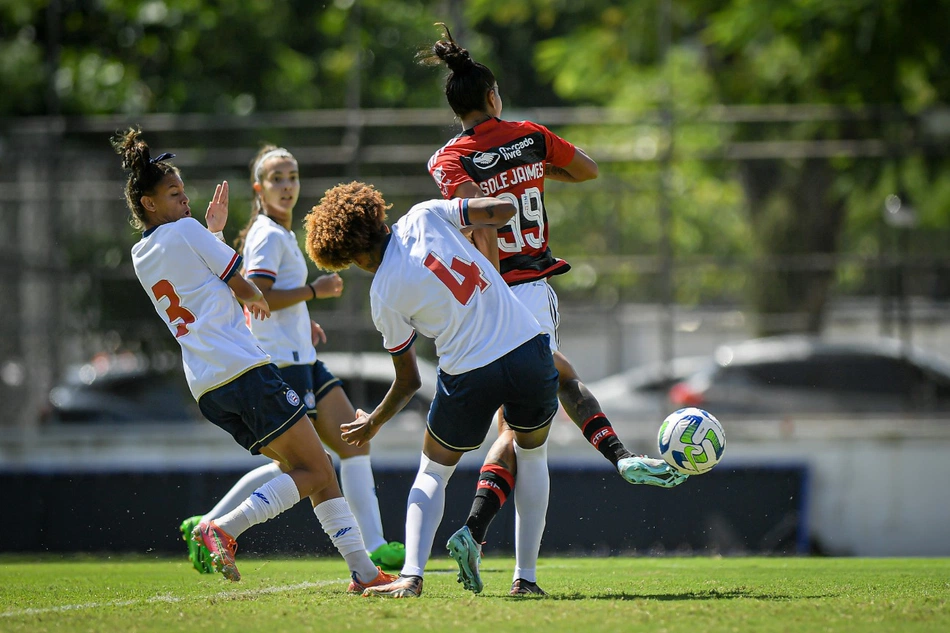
(271, 251)
(184, 269)
(432, 280)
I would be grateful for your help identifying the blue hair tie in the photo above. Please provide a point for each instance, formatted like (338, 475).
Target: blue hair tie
(161, 157)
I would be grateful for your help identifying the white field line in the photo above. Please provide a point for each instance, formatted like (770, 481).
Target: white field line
(222, 595)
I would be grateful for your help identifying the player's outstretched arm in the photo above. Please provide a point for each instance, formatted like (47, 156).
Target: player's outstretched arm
(489, 212)
(582, 167)
(407, 383)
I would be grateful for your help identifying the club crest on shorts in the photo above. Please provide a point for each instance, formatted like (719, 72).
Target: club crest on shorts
(293, 398)
(310, 400)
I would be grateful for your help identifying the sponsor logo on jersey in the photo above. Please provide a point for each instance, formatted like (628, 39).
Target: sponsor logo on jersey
(486, 160)
(439, 174)
(293, 398)
(514, 150)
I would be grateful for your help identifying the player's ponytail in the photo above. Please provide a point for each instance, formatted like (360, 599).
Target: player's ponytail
(468, 83)
(145, 172)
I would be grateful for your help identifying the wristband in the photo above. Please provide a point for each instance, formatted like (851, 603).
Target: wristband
(313, 290)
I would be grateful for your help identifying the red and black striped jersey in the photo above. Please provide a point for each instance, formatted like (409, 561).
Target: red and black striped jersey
(506, 159)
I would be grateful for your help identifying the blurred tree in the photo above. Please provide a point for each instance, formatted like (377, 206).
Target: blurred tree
(219, 56)
(891, 55)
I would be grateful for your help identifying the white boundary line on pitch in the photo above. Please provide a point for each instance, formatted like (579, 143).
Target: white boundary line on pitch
(168, 599)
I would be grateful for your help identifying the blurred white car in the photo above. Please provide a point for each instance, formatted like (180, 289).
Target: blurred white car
(641, 394)
(798, 374)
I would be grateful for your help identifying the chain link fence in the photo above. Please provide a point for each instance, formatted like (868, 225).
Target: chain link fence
(636, 294)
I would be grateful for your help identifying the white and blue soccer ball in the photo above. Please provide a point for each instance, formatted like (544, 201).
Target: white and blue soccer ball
(691, 440)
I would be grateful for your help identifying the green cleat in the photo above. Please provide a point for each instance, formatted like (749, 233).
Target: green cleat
(640, 469)
(198, 554)
(467, 553)
(389, 556)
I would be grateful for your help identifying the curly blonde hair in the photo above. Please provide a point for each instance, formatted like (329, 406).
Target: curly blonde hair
(349, 221)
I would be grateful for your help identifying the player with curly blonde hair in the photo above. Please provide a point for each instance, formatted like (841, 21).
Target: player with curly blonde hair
(429, 278)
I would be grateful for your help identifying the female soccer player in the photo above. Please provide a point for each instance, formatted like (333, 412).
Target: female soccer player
(275, 263)
(428, 278)
(510, 160)
(190, 276)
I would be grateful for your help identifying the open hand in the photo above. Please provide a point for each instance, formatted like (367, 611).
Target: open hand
(258, 308)
(360, 431)
(217, 214)
(317, 335)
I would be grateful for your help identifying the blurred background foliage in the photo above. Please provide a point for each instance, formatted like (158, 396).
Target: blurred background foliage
(876, 74)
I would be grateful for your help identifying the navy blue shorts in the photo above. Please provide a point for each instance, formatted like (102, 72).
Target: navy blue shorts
(313, 381)
(524, 380)
(255, 408)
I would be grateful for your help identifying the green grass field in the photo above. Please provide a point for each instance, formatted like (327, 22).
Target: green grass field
(655, 595)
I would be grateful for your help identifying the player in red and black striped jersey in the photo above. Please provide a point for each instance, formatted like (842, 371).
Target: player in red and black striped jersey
(511, 160)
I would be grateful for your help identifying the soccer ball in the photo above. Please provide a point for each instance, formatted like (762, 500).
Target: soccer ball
(691, 441)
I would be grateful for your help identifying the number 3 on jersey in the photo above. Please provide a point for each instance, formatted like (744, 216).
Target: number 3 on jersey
(472, 277)
(175, 311)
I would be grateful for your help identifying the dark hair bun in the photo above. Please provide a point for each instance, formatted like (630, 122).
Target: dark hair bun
(455, 57)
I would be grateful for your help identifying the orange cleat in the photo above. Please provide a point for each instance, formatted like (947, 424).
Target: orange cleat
(221, 546)
(382, 578)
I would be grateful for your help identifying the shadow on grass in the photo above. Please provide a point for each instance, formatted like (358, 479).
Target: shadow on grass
(729, 594)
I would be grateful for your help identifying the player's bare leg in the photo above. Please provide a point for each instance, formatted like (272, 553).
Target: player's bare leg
(311, 475)
(584, 410)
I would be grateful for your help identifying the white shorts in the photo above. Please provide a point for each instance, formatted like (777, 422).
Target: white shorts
(541, 300)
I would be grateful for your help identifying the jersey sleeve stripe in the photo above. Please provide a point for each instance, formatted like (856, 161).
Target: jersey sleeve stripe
(232, 268)
(400, 349)
(262, 272)
(463, 211)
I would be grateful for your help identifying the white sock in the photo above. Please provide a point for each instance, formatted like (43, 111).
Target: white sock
(243, 489)
(531, 506)
(359, 488)
(424, 513)
(340, 525)
(265, 503)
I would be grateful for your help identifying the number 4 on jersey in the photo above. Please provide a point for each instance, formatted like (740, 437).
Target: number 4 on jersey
(472, 277)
